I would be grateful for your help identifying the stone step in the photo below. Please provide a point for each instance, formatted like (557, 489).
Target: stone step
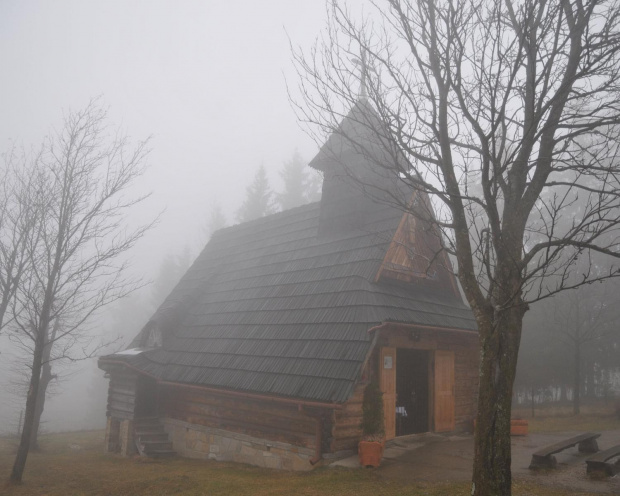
(149, 429)
(158, 446)
(161, 453)
(152, 437)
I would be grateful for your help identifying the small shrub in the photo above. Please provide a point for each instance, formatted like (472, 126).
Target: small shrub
(372, 413)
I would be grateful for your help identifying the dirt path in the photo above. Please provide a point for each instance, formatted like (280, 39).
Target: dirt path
(435, 458)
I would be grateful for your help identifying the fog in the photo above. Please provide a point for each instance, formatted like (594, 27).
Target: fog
(205, 79)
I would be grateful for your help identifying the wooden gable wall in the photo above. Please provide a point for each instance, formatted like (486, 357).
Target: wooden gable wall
(416, 252)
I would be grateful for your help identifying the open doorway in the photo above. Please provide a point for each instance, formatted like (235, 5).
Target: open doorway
(412, 391)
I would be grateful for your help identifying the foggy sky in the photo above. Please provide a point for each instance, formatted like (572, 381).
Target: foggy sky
(204, 78)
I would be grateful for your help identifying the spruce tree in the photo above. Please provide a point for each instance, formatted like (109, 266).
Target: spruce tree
(258, 201)
(301, 184)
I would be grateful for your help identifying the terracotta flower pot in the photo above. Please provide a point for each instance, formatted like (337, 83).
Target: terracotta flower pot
(370, 453)
(518, 427)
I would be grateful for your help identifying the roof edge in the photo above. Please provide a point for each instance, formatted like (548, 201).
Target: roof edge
(230, 392)
(388, 323)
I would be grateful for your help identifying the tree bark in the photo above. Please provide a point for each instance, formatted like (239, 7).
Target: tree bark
(492, 447)
(563, 395)
(577, 379)
(46, 378)
(31, 403)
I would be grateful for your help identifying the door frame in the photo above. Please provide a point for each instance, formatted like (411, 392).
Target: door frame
(387, 384)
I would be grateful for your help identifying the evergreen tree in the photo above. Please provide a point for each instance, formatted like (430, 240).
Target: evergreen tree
(301, 184)
(217, 220)
(258, 201)
(171, 270)
(314, 186)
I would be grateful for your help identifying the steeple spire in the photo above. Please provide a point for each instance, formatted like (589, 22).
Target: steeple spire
(363, 95)
(364, 69)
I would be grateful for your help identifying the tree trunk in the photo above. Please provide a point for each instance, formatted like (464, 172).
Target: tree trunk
(533, 402)
(500, 340)
(577, 379)
(563, 395)
(31, 403)
(33, 391)
(590, 381)
(46, 378)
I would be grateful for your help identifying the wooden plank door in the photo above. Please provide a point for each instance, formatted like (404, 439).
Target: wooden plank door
(387, 383)
(444, 391)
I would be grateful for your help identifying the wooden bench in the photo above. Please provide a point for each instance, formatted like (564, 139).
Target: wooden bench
(543, 458)
(597, 464)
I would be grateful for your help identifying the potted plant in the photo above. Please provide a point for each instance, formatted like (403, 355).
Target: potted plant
(370, 448)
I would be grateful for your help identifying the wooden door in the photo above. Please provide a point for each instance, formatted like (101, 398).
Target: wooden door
(444, 391)
(387, 383)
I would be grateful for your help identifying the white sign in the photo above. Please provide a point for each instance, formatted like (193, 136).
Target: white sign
(387, 362)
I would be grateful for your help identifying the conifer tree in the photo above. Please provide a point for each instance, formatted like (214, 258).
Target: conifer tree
(216, 221)
(259, 198)
(301, 184)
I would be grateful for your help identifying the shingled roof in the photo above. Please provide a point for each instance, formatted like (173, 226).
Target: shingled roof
(276, 307)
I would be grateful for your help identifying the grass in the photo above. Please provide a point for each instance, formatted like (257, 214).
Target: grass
(73, 464)
(559, 418)
(60, 469)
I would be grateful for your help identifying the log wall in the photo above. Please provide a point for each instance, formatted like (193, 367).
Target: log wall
(260, 419)
(346, 428)
(121, 392)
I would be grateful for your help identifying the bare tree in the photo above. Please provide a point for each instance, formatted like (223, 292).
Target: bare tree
(81, 190)
(579, 320)
(504, 113)
(19, 215)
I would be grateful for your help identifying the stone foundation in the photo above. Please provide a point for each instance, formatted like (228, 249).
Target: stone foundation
(128, 446)
(196, 441)
(112, 431)
(119, 437)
